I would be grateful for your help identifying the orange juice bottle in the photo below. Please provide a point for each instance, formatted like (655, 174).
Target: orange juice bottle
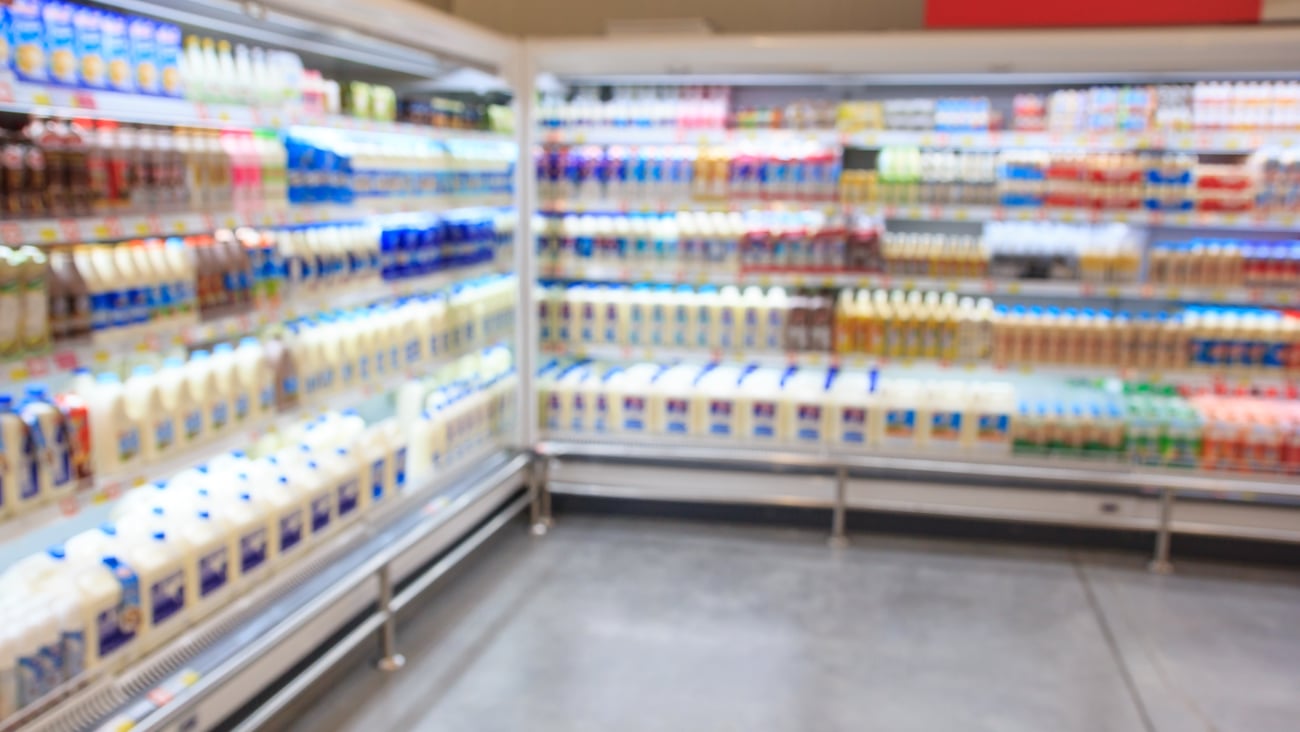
(846, 323)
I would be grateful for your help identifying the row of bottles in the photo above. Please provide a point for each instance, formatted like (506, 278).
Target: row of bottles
(759, 407)
(792, 171)
(849, 410)
(107, 423)
(916, 325)
(344, 167)
(57, 167)
(177, 551)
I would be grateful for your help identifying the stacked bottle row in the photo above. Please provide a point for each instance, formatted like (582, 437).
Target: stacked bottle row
(906, 175)
(794, 170)
(1162, 427)
(54, 167)
(178, 551)
(759, 406)
(456, 412)
(415, 246)
(343, 167)
(1243, 105)
(686, 108)
(107, 424)
(116, 292)
(457, 114)
(911, 325)
(848, 410)
(1225, 263)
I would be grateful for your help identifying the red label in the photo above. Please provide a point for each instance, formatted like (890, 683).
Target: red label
(1035, 13)
(65, 360)
(38, 366)
(70, 229)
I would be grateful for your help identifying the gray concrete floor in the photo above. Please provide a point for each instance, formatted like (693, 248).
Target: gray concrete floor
(647, 625)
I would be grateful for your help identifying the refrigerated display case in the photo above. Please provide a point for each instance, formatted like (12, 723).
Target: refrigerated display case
(258, 343)
(1022, 276)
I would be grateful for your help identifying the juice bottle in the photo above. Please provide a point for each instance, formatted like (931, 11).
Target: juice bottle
(11, 304)
(34, 323)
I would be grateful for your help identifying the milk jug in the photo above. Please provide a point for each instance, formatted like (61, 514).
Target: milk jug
(240, 397)
(241, 518)
(853, 405)
(209, 390)
(254, 377)
(179, 400)
(758, 402)
(158, 561)
(19, 482)
(145, 407)
(51, 446)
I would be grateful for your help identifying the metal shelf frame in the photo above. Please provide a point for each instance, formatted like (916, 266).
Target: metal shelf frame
(866, 470)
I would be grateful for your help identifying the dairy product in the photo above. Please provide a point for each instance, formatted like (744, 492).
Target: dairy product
(18, 486)
(51, 452)
(146, 406)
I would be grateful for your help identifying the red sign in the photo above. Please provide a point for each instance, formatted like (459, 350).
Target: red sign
(1042, 14)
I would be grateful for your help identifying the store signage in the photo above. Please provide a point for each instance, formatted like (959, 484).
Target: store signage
(1038, 14)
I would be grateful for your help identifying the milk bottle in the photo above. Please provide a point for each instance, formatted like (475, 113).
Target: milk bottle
(208, 558)
(752, 322)
(777, 305)
(633, 396)
(137, 309)
(115, 436)
(991, 422)
(179, 400)
(758, 402)
(942, 416)
(254, 377)
(715, 396)
(158, 560)
(672, 411)
(232, 508)
(114, 302)
(145, 406)
(900, 399)
(51, 446)
(854, 410)
(18, 489)
(312, 485)
(208, 388)
(802, 413)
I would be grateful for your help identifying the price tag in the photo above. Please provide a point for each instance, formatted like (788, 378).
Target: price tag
(38, 366)
(1112, 291)
(70, 229)
(11, 233)
(1283, 297)
(1026, 369)
(798, 280)
(179, 226)
(65, 360)
(69, 506)
(48, 234)
(231, 222)
(1174, 293)
(960, 213)
(1013, 288)
(18, 373)
(83, 100)
(41, 97)
(765, 280)
(141, 228)
(100, 357)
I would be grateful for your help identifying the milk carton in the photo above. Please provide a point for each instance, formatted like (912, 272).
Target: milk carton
(254, 377)
(759, 403)
(19, 484)
(180, 401)
(145, 406)
(51, 446)
(115, 436)
(900, 399)
(855, 418)
(158, 559)
(803, 413)
(672, 409)
(209, 388)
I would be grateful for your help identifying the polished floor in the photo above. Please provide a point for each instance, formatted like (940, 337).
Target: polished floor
(642, 625)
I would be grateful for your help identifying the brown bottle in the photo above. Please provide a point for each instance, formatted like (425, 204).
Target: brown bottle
(228, 266)
(66, 280)
(47, 137)
(77, 147)
(796, 324)
(205, 269)
(285, 369)
(821, 316)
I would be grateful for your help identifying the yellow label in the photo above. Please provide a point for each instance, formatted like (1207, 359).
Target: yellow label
(100, 230)
(798, 280)
(1112, 291)
(178, 226)
(1013, 288)
(101, 357)
(1026, 369)
(48, 234)
(41, 97)
(960, 214)
(142, 228)
(18, 373)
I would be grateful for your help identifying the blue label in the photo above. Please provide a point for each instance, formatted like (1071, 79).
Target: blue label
(377, 479)
(349, 496)
(73, 652)
(252, 550)
(220, 414)
(290, 530)
(853, 425)
(400, 466)
(214, 571)
(321, 513)
(193, 424)
(993, 426)
(167, 597)
(30, 679)
(242, 405)
(164, 433)
(290, 385)
(267, 398)
(900, 422)
(945, 425)
(118, 625)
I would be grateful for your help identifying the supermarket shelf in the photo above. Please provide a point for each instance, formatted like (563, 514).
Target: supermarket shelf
(1001, 489)
(77, 230)
(937, 368)
(1230, 141)
(89, 504)
(22, 97)
(66, 358)
(1059, 473)
(217, 666)
(709, 274)
(1244, 221)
